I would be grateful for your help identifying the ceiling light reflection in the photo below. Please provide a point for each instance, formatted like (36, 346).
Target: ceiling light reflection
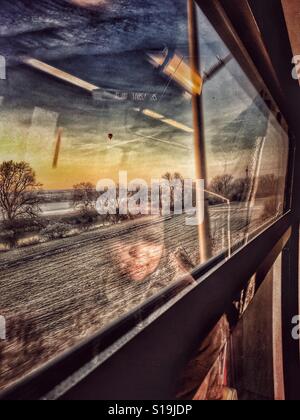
(176, 68)
(165, 120)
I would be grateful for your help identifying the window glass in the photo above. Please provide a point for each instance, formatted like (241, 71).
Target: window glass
(90, 93)
(247, 149)
(99, 94)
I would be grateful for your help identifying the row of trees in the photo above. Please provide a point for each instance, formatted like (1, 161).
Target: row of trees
(237, 190)
(20, 199)
(234, 189)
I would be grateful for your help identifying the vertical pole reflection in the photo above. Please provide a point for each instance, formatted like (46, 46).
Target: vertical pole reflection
(199, 140)
(57, 148)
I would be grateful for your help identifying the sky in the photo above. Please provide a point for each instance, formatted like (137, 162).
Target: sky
(106, 43)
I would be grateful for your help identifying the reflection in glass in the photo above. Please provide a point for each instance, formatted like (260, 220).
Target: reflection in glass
(95, 88)
(247, 149)
(83, 101)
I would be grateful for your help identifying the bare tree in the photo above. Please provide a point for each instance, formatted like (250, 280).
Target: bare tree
(19, 198)
(84, 196)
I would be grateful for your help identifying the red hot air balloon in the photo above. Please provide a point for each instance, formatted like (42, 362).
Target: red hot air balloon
(110, 136)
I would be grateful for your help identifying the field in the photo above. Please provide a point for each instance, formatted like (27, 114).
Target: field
(55, 294)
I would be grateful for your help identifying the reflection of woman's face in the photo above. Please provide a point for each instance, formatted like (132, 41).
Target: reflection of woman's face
(139, 260)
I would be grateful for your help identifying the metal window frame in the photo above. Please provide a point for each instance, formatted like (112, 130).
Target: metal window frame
(142, 355)
(278, 47)
(260, 75)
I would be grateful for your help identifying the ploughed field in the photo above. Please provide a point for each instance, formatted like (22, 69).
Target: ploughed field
(55, 294)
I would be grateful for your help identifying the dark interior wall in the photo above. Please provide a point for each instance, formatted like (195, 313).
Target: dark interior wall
(270, 17)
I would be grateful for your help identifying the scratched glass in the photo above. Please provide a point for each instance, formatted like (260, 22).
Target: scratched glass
(92, 89)
(90, 92)
(247, 148)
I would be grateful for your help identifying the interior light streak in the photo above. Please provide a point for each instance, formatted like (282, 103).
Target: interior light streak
(151, 114)
(165, 120)
(59, 74)
(69, 78)
(178, 125)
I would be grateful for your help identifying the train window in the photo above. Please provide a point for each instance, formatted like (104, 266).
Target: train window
(97, 97)
(88, 97)
(247, 148)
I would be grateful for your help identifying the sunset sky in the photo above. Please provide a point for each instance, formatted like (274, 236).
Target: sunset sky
(107, 46)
